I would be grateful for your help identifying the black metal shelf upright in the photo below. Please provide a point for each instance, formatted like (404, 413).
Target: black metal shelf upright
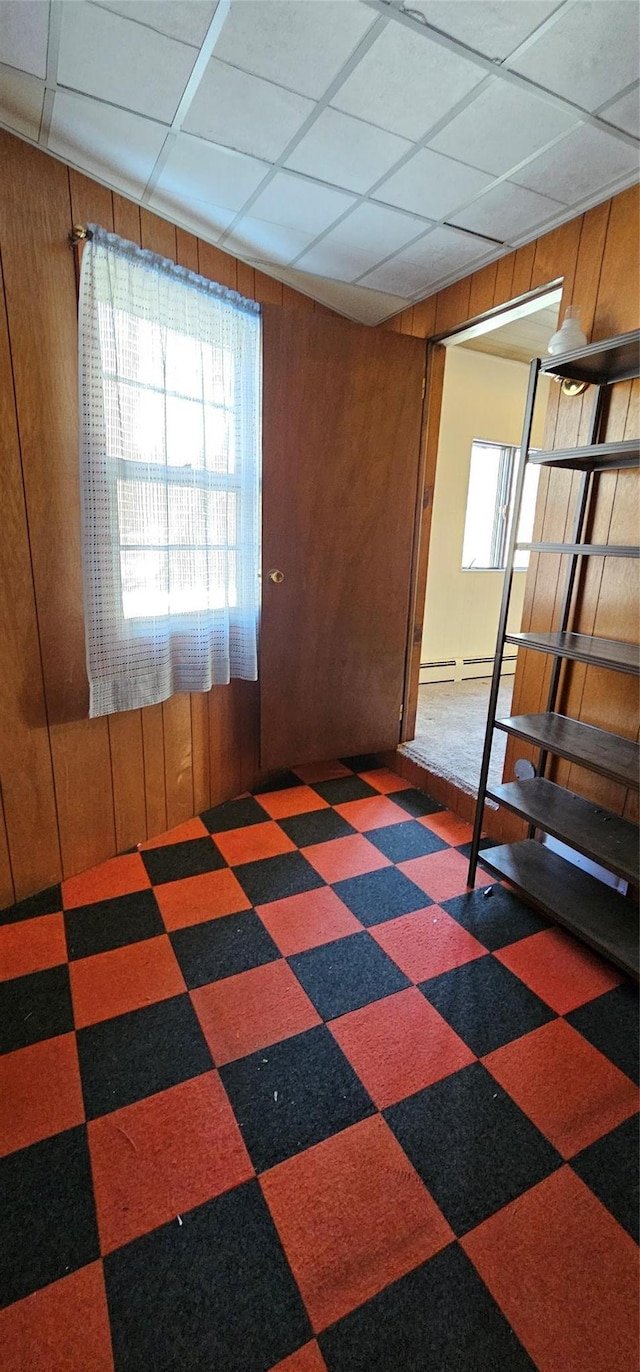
(596, 913)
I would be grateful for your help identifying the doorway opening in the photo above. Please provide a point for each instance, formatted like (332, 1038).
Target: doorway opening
(485, 382)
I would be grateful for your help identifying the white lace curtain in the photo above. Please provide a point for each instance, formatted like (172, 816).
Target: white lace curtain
(170, 377)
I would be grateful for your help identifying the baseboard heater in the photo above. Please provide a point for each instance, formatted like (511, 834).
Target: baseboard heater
(463, 669)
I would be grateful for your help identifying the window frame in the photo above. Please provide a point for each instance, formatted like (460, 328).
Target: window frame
(509, 461)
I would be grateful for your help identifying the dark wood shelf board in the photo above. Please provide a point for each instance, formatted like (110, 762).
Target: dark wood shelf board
(597, 652)
(612, 359)
(594, 912)
(591, 457)
(597, 833)
(582, 549)
(609, 755)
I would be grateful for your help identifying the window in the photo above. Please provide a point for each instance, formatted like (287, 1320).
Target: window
(487, 526)
(170, 473)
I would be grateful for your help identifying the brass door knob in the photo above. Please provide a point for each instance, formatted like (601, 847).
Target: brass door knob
(276, 576)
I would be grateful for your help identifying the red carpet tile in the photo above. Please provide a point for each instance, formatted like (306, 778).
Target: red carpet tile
(570, 1090)
(561, 1245)
(426, 942)
(399, 1045)
(562, 972)
(280, 1094)
(45, 946)
(164, 1155)
(64, 1326)
(353, 1216)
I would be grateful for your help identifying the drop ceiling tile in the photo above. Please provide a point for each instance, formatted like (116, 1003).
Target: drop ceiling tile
(203, 171)
(507, 212)
(206, 221)
(187, 20)
(419, 268)
(21, 100)
(265, 242)
(370, 233)
(432, 185)
(625, 113)
(118, 147)
(338, 261)
(347, 152)
(405, 83)
(362, 305)
(296, 43)
(494, 29)
(580, 166)
(24, 31)
(120, 61)
(501, 127)
(589, 55)
(245, 112)
(300, 204)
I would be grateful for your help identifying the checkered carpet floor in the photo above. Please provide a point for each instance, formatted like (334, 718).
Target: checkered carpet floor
(278, 1092)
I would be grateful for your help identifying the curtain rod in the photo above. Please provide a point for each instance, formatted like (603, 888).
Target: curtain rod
(79, 234)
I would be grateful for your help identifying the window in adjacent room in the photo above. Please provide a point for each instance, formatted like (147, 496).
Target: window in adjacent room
(170, 477)
(487, 526)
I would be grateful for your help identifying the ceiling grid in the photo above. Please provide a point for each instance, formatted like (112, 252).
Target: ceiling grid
(366, 152)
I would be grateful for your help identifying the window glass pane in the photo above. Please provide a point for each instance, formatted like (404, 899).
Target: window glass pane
(134, 423)
(482, 496)
(527, 511)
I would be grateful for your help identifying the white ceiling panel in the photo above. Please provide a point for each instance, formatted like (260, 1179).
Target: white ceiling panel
(507, 212)
(300, 204)
(21, 100)
(202, 171)
(346, 151)
(356, 302)
(398, 276)
(589, 55)
(432, 185)
(501, 127)
(625, 113)
(24, 30)
(187, 20)
(300, 44)
(125, 63)
(245, 112)
(265, 242)
(493, 27)
(206, 221)
(405, 84)
(575, 168)
(370, 233)
(340, 261)
(210, 114)
(118, 147)
(440, 254)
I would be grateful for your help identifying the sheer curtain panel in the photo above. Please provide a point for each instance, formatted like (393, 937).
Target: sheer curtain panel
(170, 403)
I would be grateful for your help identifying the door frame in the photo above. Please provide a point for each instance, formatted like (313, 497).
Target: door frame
(429, 443)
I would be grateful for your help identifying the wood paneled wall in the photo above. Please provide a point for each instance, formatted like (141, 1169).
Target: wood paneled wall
(73, 790)
(597, 257)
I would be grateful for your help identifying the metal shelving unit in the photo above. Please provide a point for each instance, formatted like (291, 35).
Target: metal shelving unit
(596, 913)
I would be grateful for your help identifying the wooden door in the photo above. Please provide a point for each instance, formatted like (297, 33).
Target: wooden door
(342, 411)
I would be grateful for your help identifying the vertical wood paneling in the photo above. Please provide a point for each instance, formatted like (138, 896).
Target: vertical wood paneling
(35, 214)
(483, 285)
(25, 754)
(522, 269)
(453, 305)
(7, 888)
(597, 257)
(72, 790)
(504, 279)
